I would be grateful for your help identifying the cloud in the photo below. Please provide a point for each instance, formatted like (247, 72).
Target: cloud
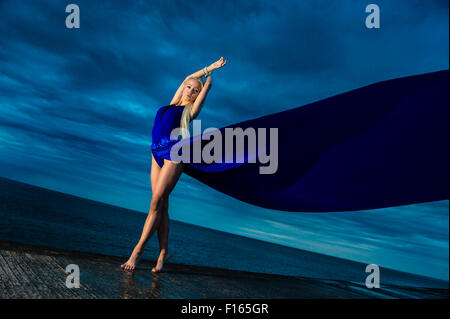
(77, 106)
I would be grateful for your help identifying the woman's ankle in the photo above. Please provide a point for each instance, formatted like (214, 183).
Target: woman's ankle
(138, 250)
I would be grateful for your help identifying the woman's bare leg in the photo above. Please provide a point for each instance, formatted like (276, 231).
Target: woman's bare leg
(167, 179)
(163, 229)
(136, 255)
(163, 236)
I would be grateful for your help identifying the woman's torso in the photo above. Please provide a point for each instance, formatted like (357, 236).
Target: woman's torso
(167, 118)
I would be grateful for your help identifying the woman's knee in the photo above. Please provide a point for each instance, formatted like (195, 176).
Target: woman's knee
(157, 203)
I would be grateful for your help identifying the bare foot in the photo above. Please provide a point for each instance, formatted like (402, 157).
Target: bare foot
(132, 262)
(163, 257)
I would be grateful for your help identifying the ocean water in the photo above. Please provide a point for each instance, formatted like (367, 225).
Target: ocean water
(37, 216)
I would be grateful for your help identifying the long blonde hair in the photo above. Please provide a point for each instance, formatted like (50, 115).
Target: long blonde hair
(186, 116)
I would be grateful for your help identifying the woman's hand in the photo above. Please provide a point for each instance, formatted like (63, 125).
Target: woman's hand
(217, 65)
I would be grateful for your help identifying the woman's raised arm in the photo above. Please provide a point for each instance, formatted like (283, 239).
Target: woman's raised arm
(214, 66)
(176, 98)
(197, 106)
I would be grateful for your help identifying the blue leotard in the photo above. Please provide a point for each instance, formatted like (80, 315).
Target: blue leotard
(167, 118)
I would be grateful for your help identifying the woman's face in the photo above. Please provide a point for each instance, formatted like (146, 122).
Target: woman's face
(191, 90)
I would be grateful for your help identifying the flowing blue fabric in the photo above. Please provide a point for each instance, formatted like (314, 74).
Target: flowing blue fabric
(386, 144)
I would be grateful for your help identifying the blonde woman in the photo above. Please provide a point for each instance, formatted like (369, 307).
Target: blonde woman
(184, 107)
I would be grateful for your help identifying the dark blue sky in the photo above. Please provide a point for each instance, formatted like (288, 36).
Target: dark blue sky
(77, 106)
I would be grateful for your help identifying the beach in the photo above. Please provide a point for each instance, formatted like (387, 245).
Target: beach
(37, 272)
(43, 231)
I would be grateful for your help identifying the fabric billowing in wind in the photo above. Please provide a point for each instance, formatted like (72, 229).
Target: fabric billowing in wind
(386, 144)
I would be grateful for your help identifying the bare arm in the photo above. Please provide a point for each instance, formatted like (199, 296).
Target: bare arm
(196, 108)
(200, 73)
(177, 97)
(201, 98)
(214, 66)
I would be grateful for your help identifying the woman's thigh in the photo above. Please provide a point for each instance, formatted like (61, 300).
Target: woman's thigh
(155, 170)
(167, 178)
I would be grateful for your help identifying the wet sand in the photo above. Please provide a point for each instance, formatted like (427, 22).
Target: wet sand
(37, 272)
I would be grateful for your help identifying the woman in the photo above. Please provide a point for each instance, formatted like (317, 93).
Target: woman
(184, 107)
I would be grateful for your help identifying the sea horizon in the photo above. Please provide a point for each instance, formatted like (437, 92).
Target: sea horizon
(297, 262)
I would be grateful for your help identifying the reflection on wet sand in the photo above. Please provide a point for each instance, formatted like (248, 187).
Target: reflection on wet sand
(102, 277)
(139, 285)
